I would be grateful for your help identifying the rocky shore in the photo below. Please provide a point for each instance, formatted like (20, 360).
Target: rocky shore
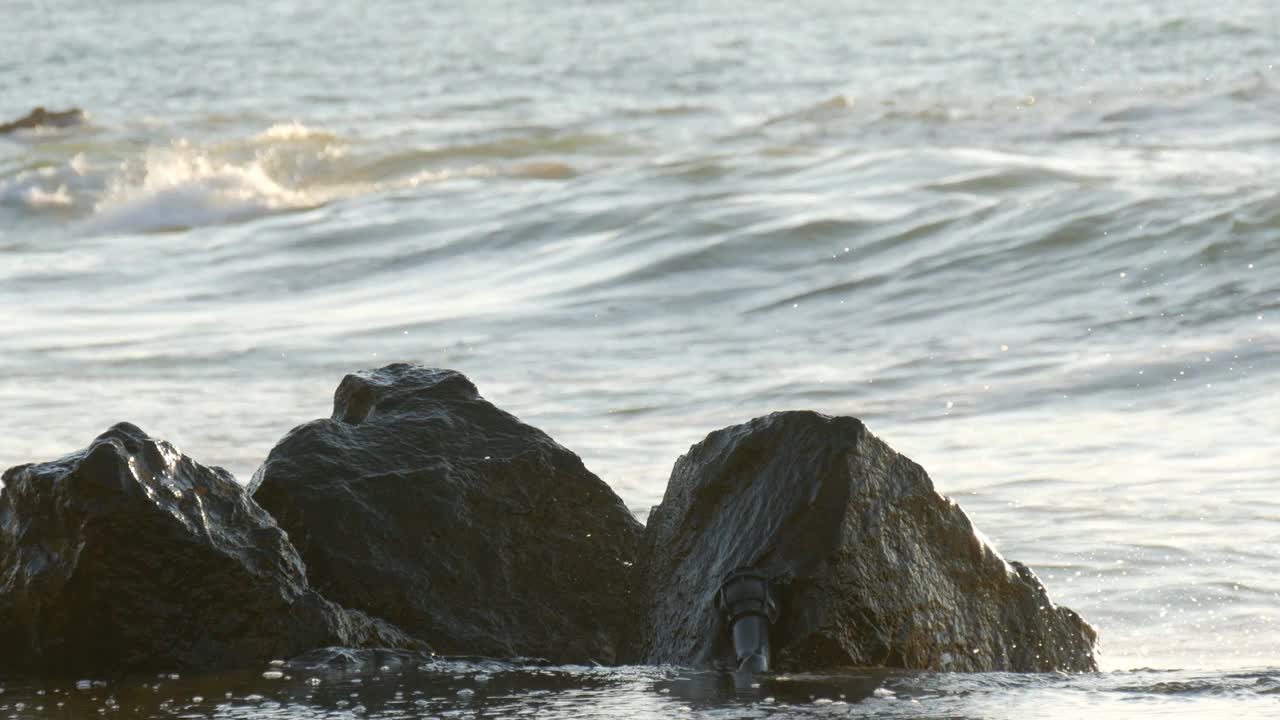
(420, 516)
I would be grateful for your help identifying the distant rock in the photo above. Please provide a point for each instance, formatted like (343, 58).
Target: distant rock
(870, 565)
(129, 555)
(39, 117)
(420, 502)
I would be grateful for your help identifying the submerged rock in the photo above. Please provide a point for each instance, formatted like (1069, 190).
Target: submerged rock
(870, 565)
(129, 555)
(39, 117)
(422, 503)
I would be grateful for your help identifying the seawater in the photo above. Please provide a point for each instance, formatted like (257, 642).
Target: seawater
(1035, 246)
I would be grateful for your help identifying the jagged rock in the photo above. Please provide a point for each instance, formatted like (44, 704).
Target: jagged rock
(129, 555)
(870, 565)
(422, 503)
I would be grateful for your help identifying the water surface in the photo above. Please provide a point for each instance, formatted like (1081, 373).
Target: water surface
(1035, 246)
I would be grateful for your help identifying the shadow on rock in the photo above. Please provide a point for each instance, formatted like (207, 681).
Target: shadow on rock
(420, 502)
(129, 555)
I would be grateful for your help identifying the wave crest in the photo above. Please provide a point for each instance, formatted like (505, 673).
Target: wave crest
(182, 186)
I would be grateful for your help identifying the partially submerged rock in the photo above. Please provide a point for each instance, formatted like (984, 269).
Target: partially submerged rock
(129, 555)
(39, 117)
(420, 502)
(871, 566)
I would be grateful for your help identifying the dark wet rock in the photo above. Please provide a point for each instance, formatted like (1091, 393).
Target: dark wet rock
(871, 566)
(39, 117)
(422, 503)
(129, 555)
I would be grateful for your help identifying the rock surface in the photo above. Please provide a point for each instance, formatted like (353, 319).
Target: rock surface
(422, 503)
(870, 564)
(39, 117)
(128, 555)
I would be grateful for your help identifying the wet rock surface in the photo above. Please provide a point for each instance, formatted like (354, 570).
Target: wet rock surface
(871, 566)
(420, 502)
(39, 117)
(129, 555)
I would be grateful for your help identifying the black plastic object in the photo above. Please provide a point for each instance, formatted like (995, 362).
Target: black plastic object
(748, 608)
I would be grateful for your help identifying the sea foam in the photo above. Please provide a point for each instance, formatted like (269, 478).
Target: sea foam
(183, 186)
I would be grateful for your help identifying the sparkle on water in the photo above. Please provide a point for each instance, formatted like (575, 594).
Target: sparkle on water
(1032, 244)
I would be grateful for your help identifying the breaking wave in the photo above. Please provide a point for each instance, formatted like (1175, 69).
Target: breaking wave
(182, 184)
(183, 187)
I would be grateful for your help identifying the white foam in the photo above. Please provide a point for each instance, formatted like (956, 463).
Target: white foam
(37, 197)
(182, 186)
(291, 132)
(79, 164)
(48, 188)
(429, 177)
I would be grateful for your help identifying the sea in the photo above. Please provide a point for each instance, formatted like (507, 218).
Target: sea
(1034, 245)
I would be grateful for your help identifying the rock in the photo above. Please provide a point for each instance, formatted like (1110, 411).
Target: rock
(39, 117)
(129, 555)
(870, 565)
(422, 503)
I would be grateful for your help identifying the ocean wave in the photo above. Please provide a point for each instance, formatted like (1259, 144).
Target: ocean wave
(835, 106)
(37, 197)
(292, 166)
(35, 190)
(180, 184)
(56, 188)
(294, 131)
(182, 187)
